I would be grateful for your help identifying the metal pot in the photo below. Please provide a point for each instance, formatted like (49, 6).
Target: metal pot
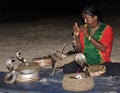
(25, 72)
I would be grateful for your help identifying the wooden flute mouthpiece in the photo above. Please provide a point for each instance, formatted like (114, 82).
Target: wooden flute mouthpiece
(85, 25)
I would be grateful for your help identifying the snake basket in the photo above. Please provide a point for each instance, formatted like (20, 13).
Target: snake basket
(77, 82)
(45, 62)
(96, 70)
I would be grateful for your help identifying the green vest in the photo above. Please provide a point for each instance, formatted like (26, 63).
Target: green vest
(93, 56)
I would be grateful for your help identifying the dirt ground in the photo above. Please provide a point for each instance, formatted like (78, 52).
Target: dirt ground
(43, 36)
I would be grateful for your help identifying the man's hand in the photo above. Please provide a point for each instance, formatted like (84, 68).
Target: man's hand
(85, 31)
(76, 29)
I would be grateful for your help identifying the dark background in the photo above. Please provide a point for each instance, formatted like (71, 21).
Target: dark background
(15, 9)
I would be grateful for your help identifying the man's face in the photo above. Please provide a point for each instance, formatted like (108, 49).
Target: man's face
(88, 19)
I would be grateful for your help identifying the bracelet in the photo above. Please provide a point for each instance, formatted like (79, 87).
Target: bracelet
(89, 38)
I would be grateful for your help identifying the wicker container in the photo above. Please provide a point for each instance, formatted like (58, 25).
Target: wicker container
(45, 62)
(96, 70)
(27, 77)
(70, 82)
(27, 72)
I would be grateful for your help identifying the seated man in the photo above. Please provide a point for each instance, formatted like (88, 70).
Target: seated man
(94, 40)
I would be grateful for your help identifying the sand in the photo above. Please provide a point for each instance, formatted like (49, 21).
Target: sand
(43, 36)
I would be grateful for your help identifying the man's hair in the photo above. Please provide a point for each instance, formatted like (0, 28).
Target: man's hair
(91, 10)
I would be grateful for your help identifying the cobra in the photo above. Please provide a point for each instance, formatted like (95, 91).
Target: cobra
(25, 72)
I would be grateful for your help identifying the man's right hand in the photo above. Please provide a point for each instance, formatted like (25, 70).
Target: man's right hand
(76, 29)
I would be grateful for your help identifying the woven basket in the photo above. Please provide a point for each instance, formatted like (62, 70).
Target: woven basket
(71, 83)
(96, 70)
(43, 62)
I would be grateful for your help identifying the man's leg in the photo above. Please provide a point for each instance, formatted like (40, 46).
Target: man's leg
(112, 68)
